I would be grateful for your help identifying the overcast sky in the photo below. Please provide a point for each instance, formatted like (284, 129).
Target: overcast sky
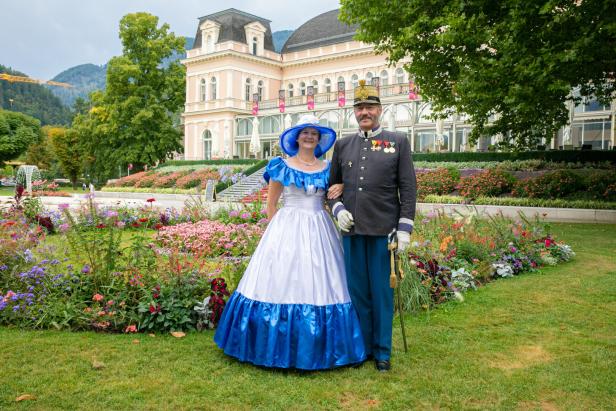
(44, 37)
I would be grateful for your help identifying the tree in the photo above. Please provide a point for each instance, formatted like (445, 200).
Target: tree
(67, 150)
(40, 154)
(511, 66)
(131, 121)
(17, 132)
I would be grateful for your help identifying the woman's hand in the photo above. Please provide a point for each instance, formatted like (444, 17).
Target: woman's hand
(335, 191)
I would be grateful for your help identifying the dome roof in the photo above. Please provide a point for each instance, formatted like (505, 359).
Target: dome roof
(321, 30)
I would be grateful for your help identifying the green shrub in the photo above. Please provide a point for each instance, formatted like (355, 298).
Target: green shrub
(492, 182)
(439, 181)
(567, 156)
(600, 185)
(524, 202)
(557, 184)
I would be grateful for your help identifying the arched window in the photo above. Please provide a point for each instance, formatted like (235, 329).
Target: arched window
(384, 78)
(209, 44)
(207, 145)
(341, 80)
(315, 86)
(302, 89)
(328, 85)
(269, 125)
(290, 88)
(247, 90)
(202, 93)
(354, 81)
(399, 75)
(369, 76)
(255, 43)
(244, 127)
(213, 95)
(260, 89)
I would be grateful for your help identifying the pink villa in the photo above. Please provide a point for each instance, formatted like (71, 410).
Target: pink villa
(241, 93)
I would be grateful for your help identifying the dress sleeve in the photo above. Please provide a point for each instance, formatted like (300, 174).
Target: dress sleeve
(274, 169)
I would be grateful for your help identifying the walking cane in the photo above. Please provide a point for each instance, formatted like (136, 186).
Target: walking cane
(395, 277)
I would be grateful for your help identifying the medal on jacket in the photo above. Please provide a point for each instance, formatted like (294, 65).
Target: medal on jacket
(378, 145)
(350, 163)
(387, 149)
(392, 149)
(374, 145)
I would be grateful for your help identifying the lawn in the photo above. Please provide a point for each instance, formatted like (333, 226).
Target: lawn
(538, 341)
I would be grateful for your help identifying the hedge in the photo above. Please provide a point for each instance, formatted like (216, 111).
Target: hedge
(522, 202)
(567, 156)
(235, 161)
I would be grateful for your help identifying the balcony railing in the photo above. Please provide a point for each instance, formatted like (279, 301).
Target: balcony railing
(330, 97)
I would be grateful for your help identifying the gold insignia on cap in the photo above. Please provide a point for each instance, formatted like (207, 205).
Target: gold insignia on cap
(365, 93)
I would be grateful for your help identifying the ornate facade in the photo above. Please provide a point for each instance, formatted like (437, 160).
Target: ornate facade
(234, 69)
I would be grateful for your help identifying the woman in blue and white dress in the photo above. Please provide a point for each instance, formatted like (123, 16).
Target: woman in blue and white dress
(292, 308)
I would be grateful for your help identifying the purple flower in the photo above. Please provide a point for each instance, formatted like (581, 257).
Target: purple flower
(111, 213)
(85, 269)
(63, 227)
(63, 206)
(234, 213)
(246, 216)
(4, 267)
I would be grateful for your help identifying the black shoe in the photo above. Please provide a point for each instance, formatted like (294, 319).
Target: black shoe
(382, 365)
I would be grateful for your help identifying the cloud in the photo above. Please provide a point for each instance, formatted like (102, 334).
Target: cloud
(42, 38)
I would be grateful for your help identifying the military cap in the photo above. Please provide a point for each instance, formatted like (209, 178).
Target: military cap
(365, 94)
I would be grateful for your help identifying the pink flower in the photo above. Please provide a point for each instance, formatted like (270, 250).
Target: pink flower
(120, 224)
(63, 227)
(110, 303)
(131, 329)
(97, 297)
(246, 216)
(63, 206)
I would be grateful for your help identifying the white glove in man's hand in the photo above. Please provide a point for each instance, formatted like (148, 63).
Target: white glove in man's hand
(404, 240)
(345, 220)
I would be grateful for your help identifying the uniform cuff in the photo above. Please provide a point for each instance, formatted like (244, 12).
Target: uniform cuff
(406, 224)
(338, 207)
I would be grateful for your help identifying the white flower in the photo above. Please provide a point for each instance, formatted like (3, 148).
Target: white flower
(502, 270)
(462, 279)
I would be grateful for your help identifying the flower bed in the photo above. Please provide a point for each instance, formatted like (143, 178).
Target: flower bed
(450, 255)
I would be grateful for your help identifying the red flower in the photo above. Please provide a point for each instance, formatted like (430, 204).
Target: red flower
(136, 225)
(101, 226)
(143, 220)
(156, 295)
(150, 200)
(158, 226)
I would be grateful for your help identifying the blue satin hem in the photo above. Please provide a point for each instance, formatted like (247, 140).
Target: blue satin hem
(301, 336)
(278, 170)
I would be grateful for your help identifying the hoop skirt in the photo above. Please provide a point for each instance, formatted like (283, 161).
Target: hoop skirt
(292, 308)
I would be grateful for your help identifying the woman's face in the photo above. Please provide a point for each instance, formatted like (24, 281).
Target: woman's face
(308, 138)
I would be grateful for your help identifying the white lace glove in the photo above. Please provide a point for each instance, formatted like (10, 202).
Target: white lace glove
(343, 216)
(404, 240)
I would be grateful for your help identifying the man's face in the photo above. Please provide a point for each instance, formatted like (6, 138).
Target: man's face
(367, 115)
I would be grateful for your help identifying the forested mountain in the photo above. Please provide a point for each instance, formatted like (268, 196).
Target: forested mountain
(84, 78)
(32, 99)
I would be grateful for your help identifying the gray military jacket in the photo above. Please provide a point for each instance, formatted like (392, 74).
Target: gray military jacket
(379, 184)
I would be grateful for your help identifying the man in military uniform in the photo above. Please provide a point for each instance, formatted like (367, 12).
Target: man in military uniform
(379, 195)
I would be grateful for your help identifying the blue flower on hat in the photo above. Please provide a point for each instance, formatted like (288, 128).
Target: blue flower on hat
(288, 138)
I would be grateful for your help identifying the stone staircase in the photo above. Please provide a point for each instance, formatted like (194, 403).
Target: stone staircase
(246, 186)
